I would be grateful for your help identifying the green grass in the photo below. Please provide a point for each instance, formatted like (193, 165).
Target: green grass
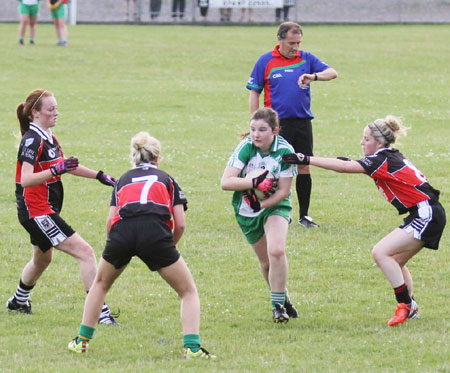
(186, 86)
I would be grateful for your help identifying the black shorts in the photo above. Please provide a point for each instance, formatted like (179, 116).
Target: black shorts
(298, 132)
(427, 221)
(147, 237)
(47, 231)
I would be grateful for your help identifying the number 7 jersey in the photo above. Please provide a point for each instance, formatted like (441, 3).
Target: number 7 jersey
(146, 190)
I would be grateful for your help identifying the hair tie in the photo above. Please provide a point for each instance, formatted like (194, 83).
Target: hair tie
(382, 134)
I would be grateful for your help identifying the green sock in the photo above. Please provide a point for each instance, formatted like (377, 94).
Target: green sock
(192, 341)
(278, 297)
(21, 40)
(86, 333)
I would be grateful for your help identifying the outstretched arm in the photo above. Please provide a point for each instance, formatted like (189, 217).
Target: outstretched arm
(84, 171)
(350, 167)
(334, 164)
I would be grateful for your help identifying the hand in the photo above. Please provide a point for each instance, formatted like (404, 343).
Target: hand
(64, 165)
(296, 158)
(344, 159)
(105, 179)
(263, 183)
(305, 80)
(251, 200)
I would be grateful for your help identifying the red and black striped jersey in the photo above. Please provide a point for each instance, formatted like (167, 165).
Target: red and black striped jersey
(146, 190)
(401, 183)
(41, 151)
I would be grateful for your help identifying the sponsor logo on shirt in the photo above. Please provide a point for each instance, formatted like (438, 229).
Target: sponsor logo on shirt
(366, 161)
(277, 75)
(289, 71)
(28, 142)
(28, 153)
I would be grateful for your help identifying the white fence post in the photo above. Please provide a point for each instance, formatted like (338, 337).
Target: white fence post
(72, 16)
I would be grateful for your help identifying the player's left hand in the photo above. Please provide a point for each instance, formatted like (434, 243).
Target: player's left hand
(296, 158)
(251, 200)
(105, 179)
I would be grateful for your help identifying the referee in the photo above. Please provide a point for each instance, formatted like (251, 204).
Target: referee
(285, 75)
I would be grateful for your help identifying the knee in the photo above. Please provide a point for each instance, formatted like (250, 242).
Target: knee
(86, 253)
(43, 262)
(276, 253)
(377, 254)
(189, 290)
(99, 285)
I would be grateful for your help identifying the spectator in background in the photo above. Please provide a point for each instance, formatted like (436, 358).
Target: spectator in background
(203, 5)
(250, 13)
(134, 9)
(178, 9)
(225, 14)
(287, 4)
(155, 8)
(28, 11)
(58, 12)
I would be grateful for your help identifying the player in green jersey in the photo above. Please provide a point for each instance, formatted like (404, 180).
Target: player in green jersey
(264, 223)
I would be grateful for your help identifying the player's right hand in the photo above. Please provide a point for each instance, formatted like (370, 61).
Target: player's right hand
(296, 158)
(263, 183)
(251, 200)
(64, 165)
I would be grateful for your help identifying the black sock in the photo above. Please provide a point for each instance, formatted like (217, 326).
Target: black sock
(303, 186)
(402, 295)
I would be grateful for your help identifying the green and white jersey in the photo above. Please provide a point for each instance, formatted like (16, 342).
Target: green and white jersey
(247, 157)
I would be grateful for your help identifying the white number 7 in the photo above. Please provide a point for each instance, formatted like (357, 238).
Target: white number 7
(149, 180)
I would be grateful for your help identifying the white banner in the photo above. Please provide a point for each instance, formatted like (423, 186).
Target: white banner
(245, 3)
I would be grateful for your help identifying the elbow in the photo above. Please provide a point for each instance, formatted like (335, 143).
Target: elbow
(179, 230)
(25, 183)
(224, 185)
(335, 74)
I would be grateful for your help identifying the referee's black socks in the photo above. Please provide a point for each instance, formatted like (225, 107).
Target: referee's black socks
(303, 186)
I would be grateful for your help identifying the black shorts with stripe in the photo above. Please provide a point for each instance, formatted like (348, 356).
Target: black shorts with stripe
(427, 221)
(148, 237)
(47, 231)
(298, 132)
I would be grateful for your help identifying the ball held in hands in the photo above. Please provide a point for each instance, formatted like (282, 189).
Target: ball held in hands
(264, 183)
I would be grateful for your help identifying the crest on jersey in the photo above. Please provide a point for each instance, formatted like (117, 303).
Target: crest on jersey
(28, 142)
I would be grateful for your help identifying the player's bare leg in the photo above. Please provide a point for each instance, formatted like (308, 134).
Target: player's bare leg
(77, 247)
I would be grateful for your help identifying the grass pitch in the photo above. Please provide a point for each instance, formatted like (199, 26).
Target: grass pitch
(186, 86)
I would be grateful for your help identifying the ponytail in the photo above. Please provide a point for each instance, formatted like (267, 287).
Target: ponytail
(24, 121)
